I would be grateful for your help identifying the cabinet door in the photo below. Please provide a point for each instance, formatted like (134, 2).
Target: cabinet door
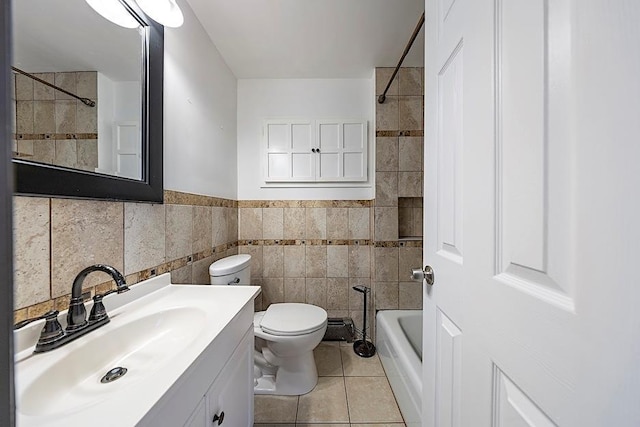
(302, 157)
(342, 150)
(289, 155)
(199, 416)
(232, 392)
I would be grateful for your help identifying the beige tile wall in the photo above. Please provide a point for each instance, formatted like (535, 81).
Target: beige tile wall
(399, 182)
(302, 251)
(56, 238)
(52, 127)
(316, 251)
(410, 217)
(308, 251)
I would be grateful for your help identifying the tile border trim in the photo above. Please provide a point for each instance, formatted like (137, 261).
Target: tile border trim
(399, 244)
(53, 136)
(62, 302)
(305, 203)
(305, 242)
(395, 133)
(172, 197)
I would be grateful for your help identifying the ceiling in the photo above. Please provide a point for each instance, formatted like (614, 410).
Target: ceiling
(311, 38)
(67, 35)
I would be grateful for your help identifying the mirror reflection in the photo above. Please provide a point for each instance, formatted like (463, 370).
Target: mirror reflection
(78, 82)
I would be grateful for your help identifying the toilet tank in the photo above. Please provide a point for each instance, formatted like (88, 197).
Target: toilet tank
(232, 270)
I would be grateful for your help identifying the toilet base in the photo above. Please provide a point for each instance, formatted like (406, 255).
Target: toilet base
(295, 376)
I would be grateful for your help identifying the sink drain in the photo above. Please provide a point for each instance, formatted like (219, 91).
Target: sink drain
(113, 375)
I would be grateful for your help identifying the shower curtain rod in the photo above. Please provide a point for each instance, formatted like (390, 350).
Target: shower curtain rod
(382, 97)
(85, 101)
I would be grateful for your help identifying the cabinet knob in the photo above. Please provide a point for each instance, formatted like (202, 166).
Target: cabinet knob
(219, 418)
(313, 150)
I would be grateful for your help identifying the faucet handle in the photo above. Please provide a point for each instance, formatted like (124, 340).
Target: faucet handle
(98, 311)
(49, 315)
(51, 331)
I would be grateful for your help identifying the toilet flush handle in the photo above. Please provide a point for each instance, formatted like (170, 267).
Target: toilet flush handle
(234, 281)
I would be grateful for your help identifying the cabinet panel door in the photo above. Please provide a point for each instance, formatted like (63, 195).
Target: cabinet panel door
(302, 167)
(199, 416)
(288, 154)
(232, 392)
(302, 158)
(342, 150)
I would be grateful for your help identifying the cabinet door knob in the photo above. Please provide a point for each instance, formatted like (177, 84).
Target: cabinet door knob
(313, 150)
(219, 418)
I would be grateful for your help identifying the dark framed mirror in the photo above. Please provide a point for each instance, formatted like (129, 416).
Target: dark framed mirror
(39, 176)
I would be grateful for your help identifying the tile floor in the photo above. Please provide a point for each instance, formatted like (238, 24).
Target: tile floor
(352, 392)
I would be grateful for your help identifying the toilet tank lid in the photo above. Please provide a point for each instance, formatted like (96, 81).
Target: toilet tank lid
(229, 265)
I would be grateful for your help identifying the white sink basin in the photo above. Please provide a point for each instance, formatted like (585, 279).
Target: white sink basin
(142, 345)
(156, 337)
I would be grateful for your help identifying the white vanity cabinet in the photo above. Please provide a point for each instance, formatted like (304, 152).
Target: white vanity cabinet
(220, 380)
(188, 350)
(199, 416)
(229, 400)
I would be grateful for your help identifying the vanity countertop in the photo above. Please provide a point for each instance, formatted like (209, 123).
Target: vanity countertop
(160, 332)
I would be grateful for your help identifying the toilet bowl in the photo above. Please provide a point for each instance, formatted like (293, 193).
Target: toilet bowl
(285, 335)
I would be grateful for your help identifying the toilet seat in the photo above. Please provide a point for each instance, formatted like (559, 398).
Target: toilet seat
(290, 319)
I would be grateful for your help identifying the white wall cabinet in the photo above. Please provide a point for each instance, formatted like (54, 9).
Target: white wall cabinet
(310, 151)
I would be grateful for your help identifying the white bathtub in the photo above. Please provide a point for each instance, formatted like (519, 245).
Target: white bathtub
(399, 342)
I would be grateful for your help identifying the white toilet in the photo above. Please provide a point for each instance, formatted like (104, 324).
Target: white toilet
(285, 335)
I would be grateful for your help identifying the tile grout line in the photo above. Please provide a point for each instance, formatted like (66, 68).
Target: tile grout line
(344, 382)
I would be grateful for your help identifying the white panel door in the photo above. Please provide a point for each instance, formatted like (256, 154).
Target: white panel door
(127, 150)
(446, 68)
(532, 208)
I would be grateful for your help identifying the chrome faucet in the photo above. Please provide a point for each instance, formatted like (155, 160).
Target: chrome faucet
(53, 336)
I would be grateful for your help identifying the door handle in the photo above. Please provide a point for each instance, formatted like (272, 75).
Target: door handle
(426, 274)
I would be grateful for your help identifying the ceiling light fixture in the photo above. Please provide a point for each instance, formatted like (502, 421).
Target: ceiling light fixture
(165, 12)
(114, 11)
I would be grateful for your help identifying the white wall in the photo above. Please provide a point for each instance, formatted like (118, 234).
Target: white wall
(260, 99)
(199, 113)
